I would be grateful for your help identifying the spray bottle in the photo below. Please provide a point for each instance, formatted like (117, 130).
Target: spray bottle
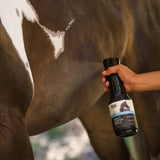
(121, 106)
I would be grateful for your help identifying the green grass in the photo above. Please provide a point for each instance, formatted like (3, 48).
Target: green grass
(56, 132)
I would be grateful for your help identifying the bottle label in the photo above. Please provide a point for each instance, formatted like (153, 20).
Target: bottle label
(121, 107)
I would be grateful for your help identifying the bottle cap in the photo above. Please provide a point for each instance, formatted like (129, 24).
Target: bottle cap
(110, 62)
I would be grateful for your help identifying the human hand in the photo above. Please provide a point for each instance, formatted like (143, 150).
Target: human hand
(127, 76)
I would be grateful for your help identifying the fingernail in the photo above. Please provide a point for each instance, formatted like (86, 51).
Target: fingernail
(104, 72)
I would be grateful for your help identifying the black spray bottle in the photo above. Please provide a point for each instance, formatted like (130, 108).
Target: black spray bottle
(121, 106)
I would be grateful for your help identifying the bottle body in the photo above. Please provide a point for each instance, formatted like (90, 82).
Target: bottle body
(120, 106)
(123, 118)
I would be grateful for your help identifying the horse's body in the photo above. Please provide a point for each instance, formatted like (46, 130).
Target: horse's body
(59, 82)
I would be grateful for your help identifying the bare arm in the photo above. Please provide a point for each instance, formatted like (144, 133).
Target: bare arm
(132, 81)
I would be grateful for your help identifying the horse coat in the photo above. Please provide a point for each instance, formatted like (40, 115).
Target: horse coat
(51, 56)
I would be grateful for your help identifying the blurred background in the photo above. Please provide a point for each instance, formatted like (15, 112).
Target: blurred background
(67, 142)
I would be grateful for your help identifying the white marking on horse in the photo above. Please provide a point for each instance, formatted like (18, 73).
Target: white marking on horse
(11, 15)
(57, 38)
(70, 24)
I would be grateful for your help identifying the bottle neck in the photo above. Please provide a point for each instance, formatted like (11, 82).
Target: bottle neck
(117, 90)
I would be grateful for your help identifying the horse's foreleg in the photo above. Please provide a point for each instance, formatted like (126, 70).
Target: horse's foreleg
(98, 125)
(14, 139)
(147, 109)
(16, 91)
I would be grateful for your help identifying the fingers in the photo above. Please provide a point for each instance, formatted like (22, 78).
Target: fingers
(107, 84)
(106, 89)
(125, 74)
(112, 70)
(109, 71)
(103, 79)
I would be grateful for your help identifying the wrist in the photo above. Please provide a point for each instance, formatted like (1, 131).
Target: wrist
(146, 81)
(135, 83)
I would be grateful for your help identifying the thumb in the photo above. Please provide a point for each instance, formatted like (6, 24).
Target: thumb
(112, 70)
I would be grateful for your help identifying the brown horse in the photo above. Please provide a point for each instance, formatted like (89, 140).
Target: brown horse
(51, 72)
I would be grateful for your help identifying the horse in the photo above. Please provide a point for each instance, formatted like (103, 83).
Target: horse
(51, 55)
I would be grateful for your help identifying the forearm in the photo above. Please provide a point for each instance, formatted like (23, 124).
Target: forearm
(133, 82)
(147, 81)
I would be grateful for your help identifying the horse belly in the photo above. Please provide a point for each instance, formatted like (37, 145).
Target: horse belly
(63, 86)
